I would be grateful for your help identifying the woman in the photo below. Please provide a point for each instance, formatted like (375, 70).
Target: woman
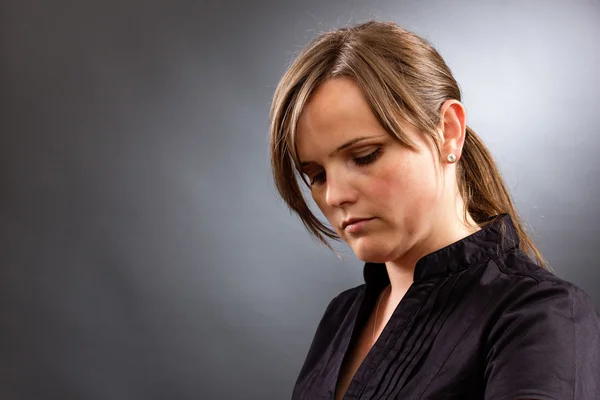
(453, 307)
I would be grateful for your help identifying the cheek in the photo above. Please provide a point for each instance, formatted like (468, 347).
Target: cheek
(392, 181)
(387, 184)
(404, 187)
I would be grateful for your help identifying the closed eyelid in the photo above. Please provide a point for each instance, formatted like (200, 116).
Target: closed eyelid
(352, 154)
(350, 145)
(365, 149)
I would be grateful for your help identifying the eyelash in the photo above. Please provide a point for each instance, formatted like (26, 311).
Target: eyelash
(369, 158)
(359, 161)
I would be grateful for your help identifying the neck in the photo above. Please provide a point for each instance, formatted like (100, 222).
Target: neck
(448, 230)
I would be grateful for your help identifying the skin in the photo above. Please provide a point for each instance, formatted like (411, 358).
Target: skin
(411, 197)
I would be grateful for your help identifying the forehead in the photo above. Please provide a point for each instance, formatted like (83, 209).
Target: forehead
(337, 112)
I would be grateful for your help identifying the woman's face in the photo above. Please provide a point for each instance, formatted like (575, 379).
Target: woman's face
(361, 174)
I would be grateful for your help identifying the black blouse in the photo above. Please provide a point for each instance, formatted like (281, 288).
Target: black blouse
(480, 321)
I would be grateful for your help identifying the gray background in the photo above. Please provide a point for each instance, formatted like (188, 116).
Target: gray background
(144, 252)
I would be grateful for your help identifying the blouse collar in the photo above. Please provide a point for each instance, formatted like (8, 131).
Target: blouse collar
(495, 238)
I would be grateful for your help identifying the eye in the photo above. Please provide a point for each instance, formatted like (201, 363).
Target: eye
(369, 158)
(318, 178)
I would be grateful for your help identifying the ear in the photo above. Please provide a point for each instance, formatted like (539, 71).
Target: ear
(453, 128)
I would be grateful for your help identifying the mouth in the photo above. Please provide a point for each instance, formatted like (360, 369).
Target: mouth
(354, 222)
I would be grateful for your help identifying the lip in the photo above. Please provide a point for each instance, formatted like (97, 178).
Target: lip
(352, 221)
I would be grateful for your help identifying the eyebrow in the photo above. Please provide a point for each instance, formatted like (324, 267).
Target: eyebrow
(342, 147)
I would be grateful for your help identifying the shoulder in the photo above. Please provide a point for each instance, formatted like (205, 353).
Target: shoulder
(544, 335)
(525, 283)
(338, 310)
(346, 298)
(340, 306)
(335, 319)
(545, 305)
(529, 291)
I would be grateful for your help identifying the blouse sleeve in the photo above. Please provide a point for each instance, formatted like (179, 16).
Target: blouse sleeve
(545, 345)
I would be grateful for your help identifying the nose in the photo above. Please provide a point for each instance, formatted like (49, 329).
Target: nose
(339, 190)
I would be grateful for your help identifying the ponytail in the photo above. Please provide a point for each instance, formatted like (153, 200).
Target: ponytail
(485, 194)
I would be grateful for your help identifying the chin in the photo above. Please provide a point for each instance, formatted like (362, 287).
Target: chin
(370, 251)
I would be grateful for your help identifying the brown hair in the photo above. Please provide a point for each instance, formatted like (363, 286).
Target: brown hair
(405, 80)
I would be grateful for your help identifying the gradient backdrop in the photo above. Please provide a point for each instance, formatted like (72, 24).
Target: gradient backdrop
(144, 253)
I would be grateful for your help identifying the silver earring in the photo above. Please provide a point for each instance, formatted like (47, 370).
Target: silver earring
(451, 158)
